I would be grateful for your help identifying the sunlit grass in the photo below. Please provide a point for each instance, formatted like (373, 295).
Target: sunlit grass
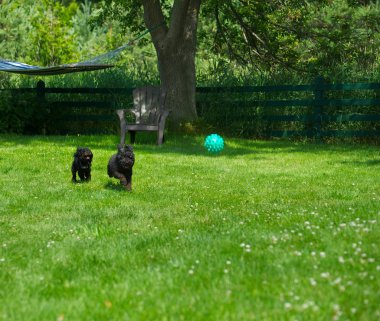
(264, 231)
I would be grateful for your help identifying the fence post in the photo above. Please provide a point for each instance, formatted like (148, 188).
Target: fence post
(41, 103)
(319, 98)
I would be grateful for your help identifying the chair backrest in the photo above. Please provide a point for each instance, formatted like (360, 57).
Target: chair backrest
(148, 104)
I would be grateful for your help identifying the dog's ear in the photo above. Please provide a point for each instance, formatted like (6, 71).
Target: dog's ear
(80, 151)
(129, 147)
(77, 153)
(89, 152)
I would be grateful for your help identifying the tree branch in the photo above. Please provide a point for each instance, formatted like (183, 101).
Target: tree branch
(193, 15)
(251, 39)
(178, 18)
(155, 21)
(183, 23)
(225, 37)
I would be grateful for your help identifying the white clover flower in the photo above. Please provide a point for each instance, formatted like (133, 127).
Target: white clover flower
(337, 281)
(336, 307)
(325, 275)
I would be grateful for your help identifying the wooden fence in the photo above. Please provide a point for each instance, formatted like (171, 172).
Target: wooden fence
(317, 110)
(76, 110)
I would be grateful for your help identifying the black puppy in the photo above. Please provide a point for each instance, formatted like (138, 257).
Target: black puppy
(120, 165)
(82, 164)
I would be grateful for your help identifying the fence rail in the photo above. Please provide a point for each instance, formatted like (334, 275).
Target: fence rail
(314, 110)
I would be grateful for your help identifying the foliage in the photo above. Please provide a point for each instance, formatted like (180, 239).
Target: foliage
(292, 234)
(259, 112)
(249, 41)
(347, 43)
(19, 114)
(50, 33)
(337, 39)
(37, 31)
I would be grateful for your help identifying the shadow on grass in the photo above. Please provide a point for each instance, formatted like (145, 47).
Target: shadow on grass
(108, 142)
(185, 145)
(190, 145)
(117, 187)
(372, 162)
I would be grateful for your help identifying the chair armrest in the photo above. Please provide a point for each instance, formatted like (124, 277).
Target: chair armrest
(162, 118)
(122, 113)
(125, 111)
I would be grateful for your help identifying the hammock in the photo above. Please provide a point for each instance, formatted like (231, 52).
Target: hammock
(95, 63)
(21, 68)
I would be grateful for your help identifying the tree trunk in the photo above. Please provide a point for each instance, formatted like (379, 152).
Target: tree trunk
(177, 74)
(176, 46)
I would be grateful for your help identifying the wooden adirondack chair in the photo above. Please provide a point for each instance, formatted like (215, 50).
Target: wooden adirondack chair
(149, 113)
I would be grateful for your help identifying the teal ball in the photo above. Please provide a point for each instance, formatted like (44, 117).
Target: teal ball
(214, 143)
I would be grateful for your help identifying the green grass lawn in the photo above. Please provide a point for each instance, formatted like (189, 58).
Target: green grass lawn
(267, 230)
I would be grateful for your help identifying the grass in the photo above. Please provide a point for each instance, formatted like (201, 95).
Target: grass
(267, 230)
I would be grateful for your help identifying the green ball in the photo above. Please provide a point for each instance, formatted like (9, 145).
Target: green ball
(214, 143)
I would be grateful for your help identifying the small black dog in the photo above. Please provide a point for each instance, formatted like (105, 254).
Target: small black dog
(120, 165)
(82, 164)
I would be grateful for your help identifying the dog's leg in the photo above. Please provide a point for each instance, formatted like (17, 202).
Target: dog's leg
(87, 175)
(123, 180)
(128, 186)
(74, 174)
(81, 175)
